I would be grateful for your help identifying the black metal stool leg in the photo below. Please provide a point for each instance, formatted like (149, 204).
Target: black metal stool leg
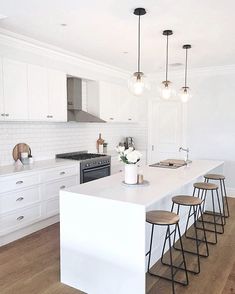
(204, 233)
(222, 200)
(222, 218)
(226, 199)
(150, 247)
(183, 255)
(171, 262)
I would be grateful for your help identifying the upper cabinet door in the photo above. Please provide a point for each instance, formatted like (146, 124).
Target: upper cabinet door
(38, 93)
(57, 83)
(2, 113)
(15, 90)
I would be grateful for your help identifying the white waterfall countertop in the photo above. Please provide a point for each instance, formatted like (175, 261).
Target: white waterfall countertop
(162, 181)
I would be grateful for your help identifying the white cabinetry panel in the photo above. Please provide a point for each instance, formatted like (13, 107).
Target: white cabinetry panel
(57, 95)
(18, 182)
(19, 199)
(2, 113)
(38, 93)
(52, 189)
(15, 87)
(19, 218)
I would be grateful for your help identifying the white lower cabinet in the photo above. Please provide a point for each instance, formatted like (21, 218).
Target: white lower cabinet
(20, 218)
(29, 198)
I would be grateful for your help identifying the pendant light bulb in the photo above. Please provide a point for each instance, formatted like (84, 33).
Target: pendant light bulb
(185, 92)
(166, 90)
(138, 83)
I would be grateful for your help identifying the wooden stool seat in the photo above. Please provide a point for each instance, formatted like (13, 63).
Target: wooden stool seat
(214, 177)
(205, 186)
(162, 217)
(187, 200)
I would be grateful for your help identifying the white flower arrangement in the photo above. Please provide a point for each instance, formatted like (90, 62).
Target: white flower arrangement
(128, 156)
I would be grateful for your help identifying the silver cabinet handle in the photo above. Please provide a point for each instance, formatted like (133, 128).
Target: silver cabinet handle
(129, 118)
(111, 118)
(2, 114)
(62, 173)
(6, 114)
(49, 116)
(19, 182)
(20, 218)
(20, 199)
(62, 187)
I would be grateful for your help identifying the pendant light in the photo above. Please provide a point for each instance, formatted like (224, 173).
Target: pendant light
(137, 83)
(185, 93)
(166, 91)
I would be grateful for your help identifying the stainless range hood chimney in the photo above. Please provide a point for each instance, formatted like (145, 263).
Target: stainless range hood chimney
(75, 98)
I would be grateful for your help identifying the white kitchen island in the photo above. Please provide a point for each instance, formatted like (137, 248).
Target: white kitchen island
(103, 234)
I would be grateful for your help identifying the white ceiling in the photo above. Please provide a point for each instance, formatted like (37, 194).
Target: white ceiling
(103, 30)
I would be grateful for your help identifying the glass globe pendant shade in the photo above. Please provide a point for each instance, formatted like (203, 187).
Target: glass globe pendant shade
(166, 90)
(137, 84)
(185, 94)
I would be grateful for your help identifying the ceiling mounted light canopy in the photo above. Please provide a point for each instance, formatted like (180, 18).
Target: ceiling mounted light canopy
(137, 83)
(166, 91)
(185, 92)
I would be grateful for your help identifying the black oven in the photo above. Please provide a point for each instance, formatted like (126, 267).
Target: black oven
(94, 173)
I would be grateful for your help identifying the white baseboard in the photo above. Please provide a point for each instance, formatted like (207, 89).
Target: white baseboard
(28, 230)
(231, 192)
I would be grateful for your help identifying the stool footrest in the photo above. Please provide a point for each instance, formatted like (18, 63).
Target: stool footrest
(168, 279)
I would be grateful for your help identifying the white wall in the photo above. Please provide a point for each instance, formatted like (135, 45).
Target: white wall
(48, 139)
(210, 131)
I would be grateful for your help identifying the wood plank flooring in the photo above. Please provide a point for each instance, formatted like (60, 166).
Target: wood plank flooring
(31, 266)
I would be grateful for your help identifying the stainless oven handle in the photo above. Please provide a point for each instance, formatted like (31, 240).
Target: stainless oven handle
(96, 168)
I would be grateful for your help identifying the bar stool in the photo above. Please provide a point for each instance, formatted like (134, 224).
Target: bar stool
(194, 204)
(221, 179)
(201, 190)
(168, 219)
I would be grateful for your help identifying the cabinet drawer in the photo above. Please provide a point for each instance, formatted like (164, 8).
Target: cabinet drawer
(59, 173)
(18, 199)
(18, 182)
(19, 219)
(50, 190)
(52, 207)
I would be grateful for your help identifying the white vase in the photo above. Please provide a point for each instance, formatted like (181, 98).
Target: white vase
(130, 174)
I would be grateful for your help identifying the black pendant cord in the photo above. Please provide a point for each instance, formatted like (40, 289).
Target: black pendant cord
(186, 68)
(167, 48)
(138, 70)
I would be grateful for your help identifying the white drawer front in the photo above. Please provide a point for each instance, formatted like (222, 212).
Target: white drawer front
(21, 218)
(18, 182)
(59, 173)
(52, 207)
(18, 199)
(51, 190)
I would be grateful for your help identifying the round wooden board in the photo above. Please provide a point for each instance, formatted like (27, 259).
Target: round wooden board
(18, 149)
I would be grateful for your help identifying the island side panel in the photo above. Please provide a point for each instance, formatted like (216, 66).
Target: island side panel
(102, 244)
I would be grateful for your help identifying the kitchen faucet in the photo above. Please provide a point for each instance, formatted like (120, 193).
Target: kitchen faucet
(186, 150)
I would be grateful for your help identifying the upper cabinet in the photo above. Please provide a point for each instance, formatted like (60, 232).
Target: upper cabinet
(112, 102)
(31, 93)
(15, 90)
(57, 91)
(47, 94)
(38, 93)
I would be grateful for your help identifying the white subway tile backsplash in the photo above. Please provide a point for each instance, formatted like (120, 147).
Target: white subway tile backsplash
(48, 139)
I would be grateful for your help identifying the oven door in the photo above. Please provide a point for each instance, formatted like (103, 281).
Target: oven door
(94, 173)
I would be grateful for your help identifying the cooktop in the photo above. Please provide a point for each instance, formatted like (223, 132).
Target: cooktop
(79, 155)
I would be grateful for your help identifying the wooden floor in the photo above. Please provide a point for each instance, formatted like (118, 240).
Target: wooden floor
(31, 266)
